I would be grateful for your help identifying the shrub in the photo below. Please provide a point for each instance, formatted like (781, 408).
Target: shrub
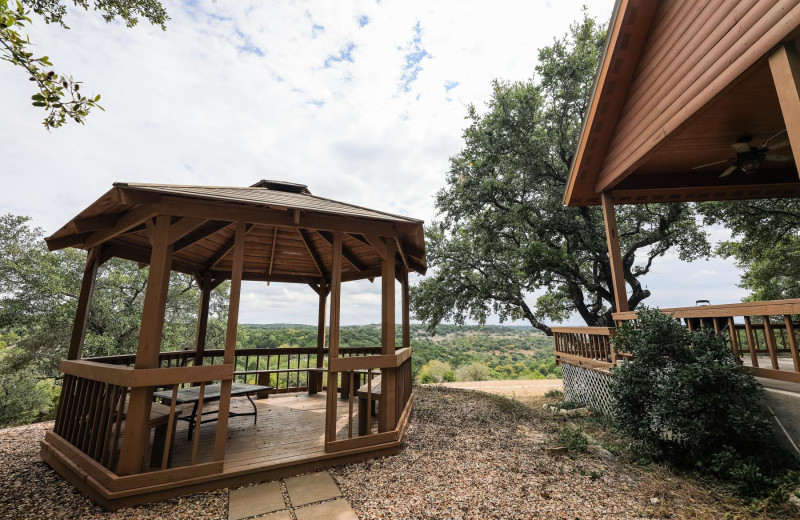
(473, 372)
(573, 439)
(436, 372)
(683, 393)
(554, 393)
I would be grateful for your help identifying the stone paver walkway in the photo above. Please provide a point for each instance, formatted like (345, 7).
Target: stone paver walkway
(307, 497)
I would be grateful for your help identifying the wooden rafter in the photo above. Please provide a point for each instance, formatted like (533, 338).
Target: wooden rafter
(84, 225)
(785, 66)
(378, 245)
(272, 251)
(200, 234)
(313, 252)
(225, 249)
(127, 221)
(183, 227)
(347, 254)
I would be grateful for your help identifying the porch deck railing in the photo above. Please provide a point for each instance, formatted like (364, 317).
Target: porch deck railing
(762, 335)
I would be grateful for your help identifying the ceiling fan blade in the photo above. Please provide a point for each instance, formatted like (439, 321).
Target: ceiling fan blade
(778, 157)
(732, 168)
(779, 145)
(741, 147)
(711, 164)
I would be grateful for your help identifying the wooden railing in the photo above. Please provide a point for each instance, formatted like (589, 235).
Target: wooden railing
(392, 391)
(284, 369)
(762, 335)
(91, 416)
(589, 346)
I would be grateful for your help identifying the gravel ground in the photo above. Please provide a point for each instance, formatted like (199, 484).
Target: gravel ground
(473, 455)
(30, 489)
(466, 455)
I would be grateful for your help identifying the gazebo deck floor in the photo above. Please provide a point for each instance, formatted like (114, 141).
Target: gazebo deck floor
(290, 428)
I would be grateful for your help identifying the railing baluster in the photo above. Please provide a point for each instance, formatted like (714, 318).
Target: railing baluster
(792, 339)
(748, 328)
(769, 339)
(353, 390)
(198, 423)
(170, 427)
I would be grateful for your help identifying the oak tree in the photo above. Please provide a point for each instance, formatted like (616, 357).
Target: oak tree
(504, 243)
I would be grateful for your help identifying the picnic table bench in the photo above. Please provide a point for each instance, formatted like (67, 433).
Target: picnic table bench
(211, 394)
(367, 409)
(159, 419)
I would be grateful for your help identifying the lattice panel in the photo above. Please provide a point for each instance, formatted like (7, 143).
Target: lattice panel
(590, 387)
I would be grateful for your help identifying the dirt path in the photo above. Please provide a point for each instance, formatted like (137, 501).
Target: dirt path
(511, 388)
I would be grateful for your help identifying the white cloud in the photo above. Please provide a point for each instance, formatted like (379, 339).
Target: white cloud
(233, 92)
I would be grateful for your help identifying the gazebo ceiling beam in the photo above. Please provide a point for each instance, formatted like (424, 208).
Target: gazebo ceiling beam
(347, 254)
(124, 223)
(200, 234)
(312, 250)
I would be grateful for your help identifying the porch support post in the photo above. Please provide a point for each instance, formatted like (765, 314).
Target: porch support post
(202, 319)
(614, 254)
(230, 340)
(785, 66)
(387, 412)
(324, 289)
(137, 429)
(84, 304)
(333, 340)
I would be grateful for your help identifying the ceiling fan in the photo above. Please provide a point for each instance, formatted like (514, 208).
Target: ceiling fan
(749, 158)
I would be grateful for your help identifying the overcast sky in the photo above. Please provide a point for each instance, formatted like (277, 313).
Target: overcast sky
(362, 101)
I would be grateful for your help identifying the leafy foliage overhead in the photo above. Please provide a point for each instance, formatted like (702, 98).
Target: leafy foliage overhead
(39, 292)
(58, 94)
(503, 234)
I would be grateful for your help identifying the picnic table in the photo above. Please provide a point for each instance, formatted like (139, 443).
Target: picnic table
(211, 394)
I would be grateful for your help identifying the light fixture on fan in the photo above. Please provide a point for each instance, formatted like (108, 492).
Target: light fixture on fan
(749, 158)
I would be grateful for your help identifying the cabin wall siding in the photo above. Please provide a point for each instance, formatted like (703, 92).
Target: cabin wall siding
(694, 51)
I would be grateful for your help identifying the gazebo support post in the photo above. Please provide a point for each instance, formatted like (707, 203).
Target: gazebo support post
(333, 341)
(137, 429)
(324, 289)
(230, 340)
(202, 319)
(614, 254)
(84, 303)
(387, 412)
(406, 308)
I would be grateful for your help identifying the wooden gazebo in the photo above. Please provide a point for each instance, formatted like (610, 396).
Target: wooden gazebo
(120, 445)
(693, 101)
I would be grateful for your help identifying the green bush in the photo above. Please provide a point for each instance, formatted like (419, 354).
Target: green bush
(684, 393)
(573, 439)
(475, 371)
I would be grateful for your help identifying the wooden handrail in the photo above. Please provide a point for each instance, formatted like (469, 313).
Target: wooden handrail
(142, 377)
(730, 310)
(366, 362)
(597, 331)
